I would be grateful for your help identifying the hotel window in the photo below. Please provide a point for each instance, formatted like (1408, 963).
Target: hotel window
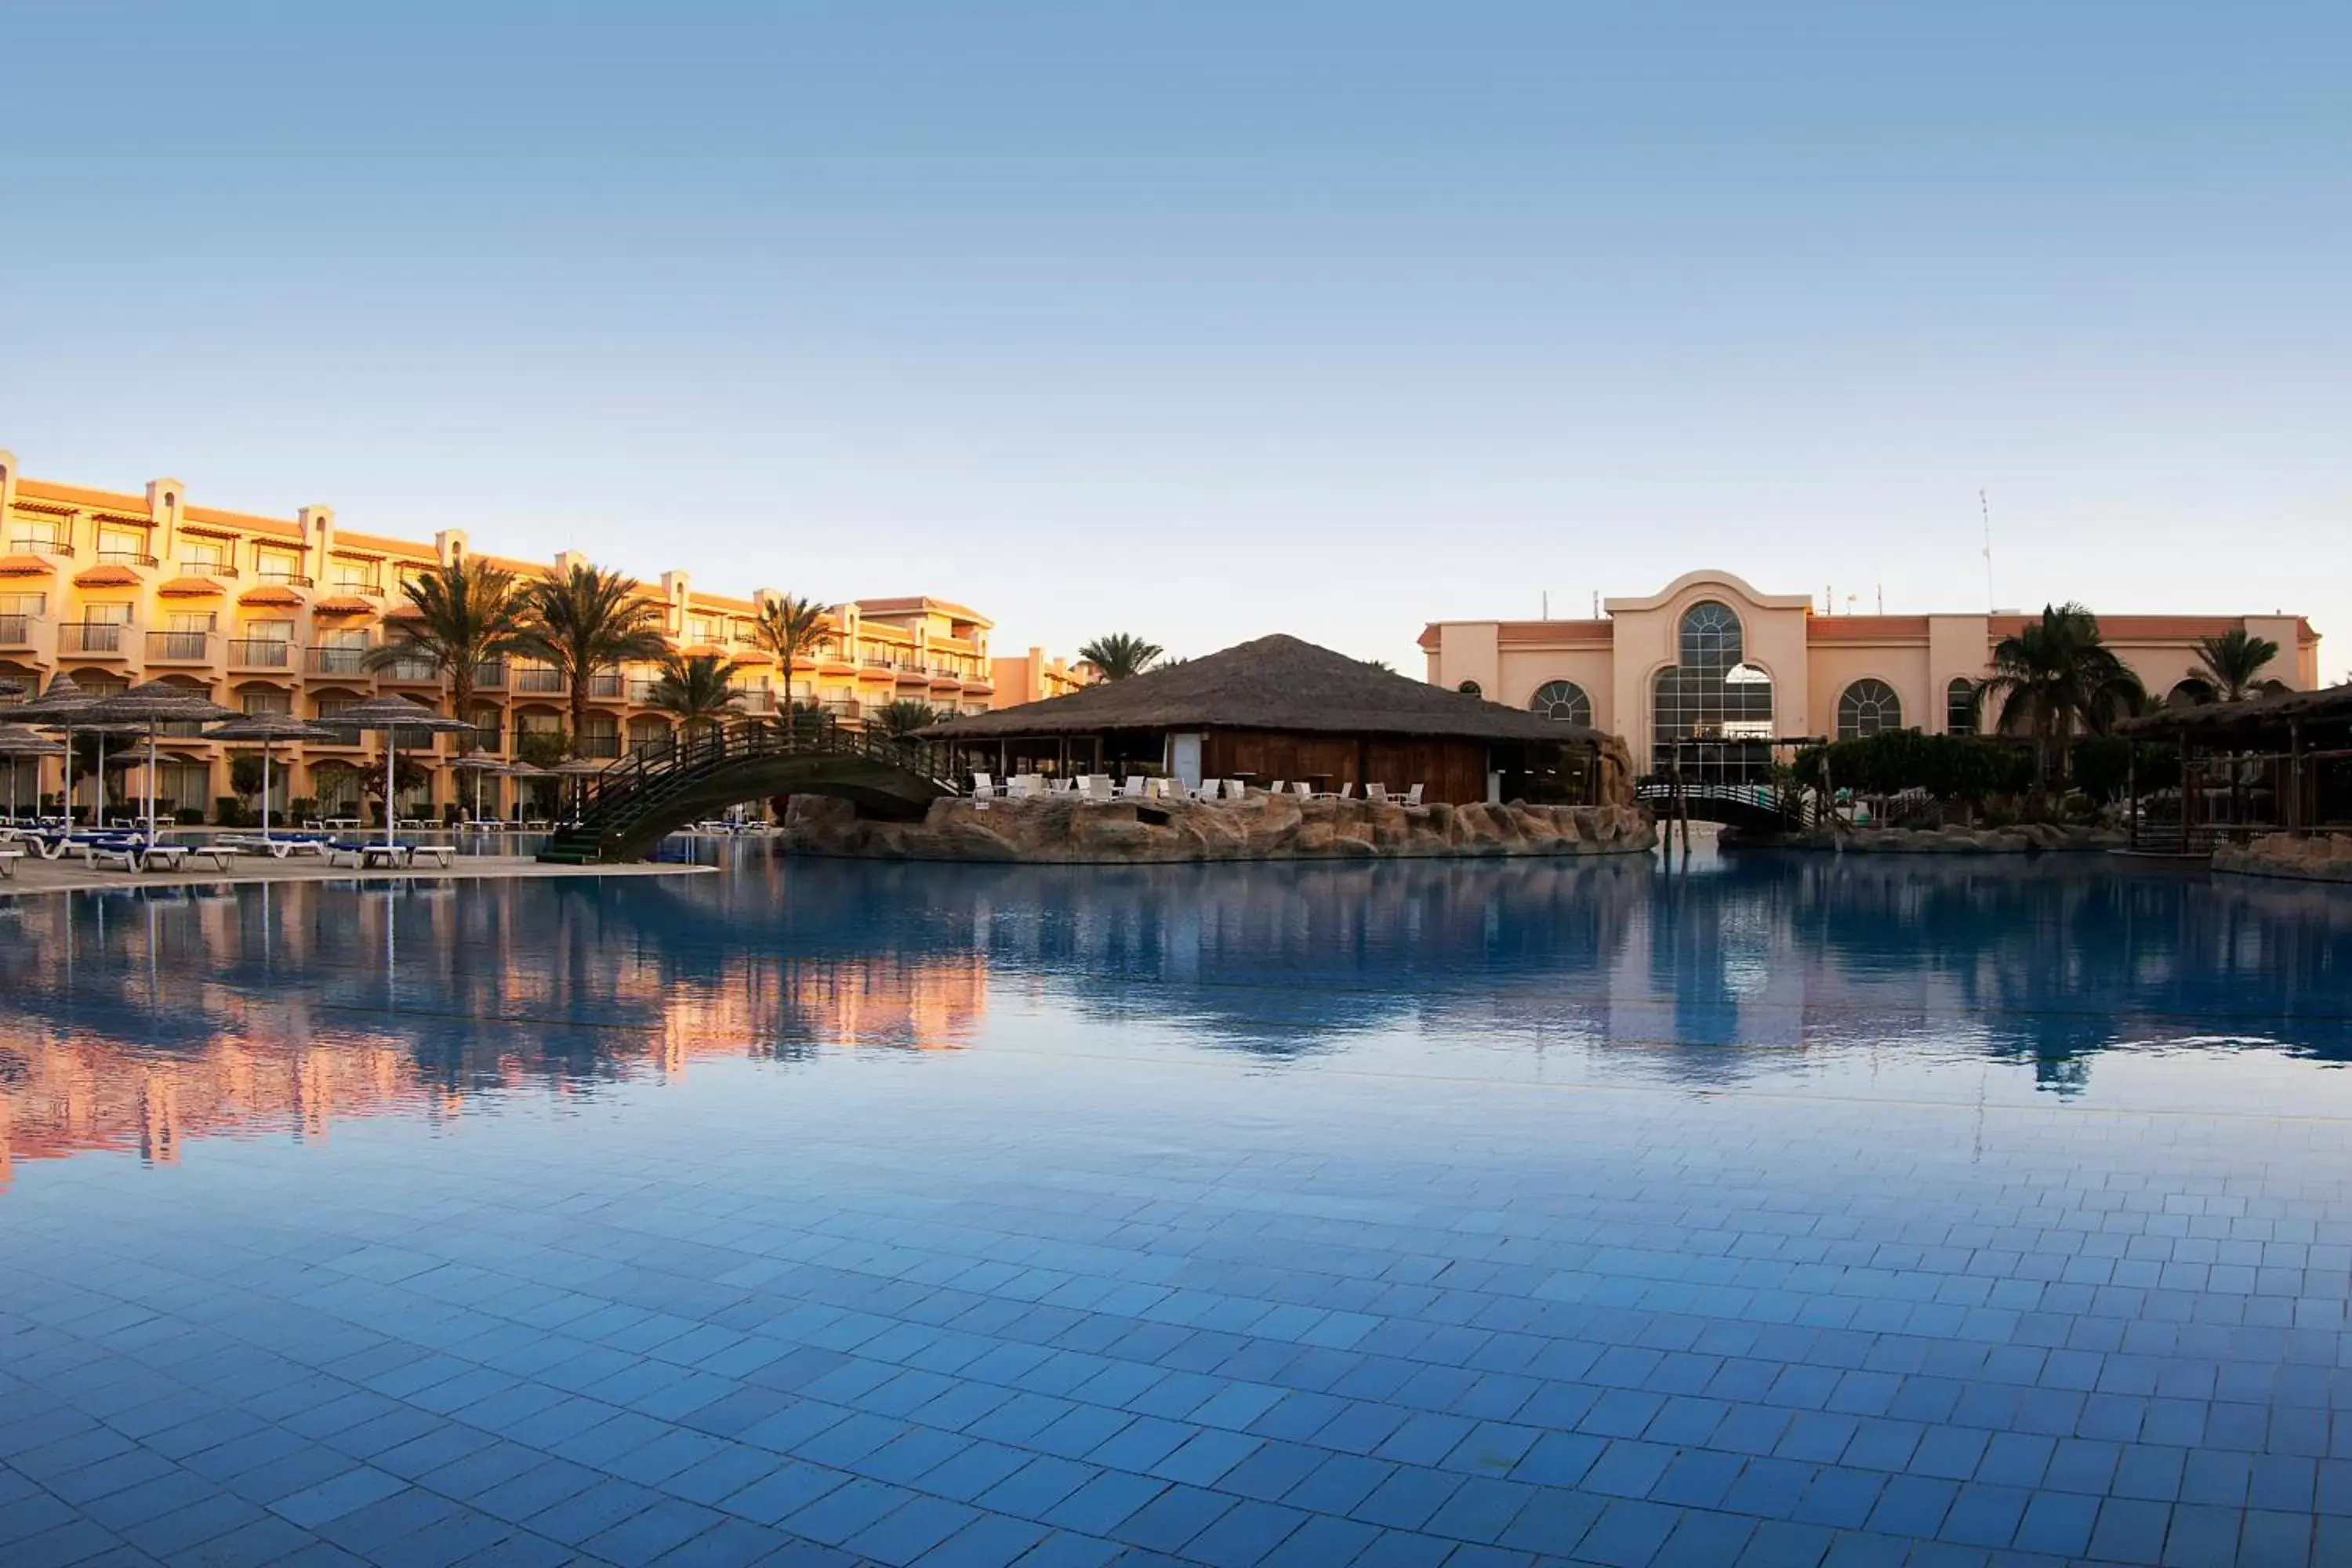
(184, 785)
(123, 544)
(191, 621)
(353, 576)
(1564, 700)
(1712, 710)
(107, 614)
(33, 533)
(276, 565)
(1960, 708)
(264, 701)
(23, 604)
(203, 555)
(269, 631)
(706, 629)
(1866, 708)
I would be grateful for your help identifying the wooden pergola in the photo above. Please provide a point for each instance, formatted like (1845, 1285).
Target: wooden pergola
(2275, 763)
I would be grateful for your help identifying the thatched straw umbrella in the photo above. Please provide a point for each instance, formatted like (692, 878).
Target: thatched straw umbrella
(16, 741)
(266, 728)
(391, 715)
(481, 767)
(155, 703)
(60, 707)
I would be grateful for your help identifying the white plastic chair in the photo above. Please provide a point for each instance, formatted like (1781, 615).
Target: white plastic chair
(1131, 787)
(983, 787)
(1412, 795)
(1378, 793)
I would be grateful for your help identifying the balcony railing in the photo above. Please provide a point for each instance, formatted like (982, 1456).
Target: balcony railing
(125, 558)
(605, 683)
(490, 738)
(367, 585)
(16, 631)
(537, 682)
(90, 637)
(599, 746)
(39, 544)
(642, 691)
(284, 576)
(203, 568)
(411, 670)
(338, 659)
(180, 728)
(754, 700)
(490, 676)
(180, 647)
(841, 707)
(261, 653)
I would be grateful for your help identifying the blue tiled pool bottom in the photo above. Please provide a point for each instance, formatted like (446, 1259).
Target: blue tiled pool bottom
(1372, 1230)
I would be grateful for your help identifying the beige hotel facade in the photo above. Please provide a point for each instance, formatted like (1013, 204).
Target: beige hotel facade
(277, 615)
(1709, 659)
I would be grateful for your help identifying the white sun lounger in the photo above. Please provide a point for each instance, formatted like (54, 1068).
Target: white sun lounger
(8, 858)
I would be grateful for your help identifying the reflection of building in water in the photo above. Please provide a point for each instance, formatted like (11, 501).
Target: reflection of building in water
(139, 1029)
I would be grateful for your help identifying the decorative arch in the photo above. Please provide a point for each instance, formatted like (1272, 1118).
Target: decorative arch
(1867, 707)
(1563, 701)
(1471, 689)
(2190, 693)
(1711, 709)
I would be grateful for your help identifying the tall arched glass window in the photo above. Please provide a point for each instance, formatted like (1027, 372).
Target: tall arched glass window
(1867, 707)
(1713, 707)
(1562, 700)
(1960, 706)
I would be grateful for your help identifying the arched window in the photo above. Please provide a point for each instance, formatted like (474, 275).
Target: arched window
(1866, 708)
(1714, 697)
(1960, 706)
(1470, 689)
(2190, 693)
(1562, 700)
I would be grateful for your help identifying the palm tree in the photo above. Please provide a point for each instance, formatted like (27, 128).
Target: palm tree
(789, 629)
(2054, 676)
(589, 620)
(695, 691)
(902, 718)
(1121, 654)
(468, 612)
(2232, 666)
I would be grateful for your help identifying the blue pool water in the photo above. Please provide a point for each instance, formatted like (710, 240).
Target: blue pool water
(1790, 1212)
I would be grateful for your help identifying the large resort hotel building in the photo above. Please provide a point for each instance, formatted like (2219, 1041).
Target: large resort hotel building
(1722, 670)
(277, 615)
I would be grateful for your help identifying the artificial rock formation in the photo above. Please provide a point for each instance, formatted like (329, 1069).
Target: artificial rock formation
(2038, 837)
(2314, 858)
(1261, 828)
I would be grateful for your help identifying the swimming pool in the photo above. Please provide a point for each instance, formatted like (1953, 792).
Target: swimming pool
(1787, 1211)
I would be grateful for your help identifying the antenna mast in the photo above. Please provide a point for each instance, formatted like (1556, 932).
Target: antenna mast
(1985, 508)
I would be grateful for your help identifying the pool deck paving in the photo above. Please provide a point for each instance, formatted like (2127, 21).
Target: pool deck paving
(71, 875)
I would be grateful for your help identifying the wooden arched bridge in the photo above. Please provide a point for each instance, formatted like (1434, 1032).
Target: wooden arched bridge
(633, 805)
(1755, 807)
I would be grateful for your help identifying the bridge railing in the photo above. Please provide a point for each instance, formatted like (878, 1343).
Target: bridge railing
(642, 773)
(1762, 799)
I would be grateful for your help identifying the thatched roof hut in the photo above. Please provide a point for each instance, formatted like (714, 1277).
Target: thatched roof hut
(2253, 720)
(1279, 707)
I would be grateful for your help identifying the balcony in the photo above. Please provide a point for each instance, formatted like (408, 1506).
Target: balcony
(179, 647)
(261, 653)
(124, 558)
(842, 708)
(642, 691)
(365, 586)
(490, 676)
(600, 747)
(490, 738)
(755, 700)
(182, 728)
(537, 682)
(89, 637)
(605, 683)
(285, 577)
(207, 569)
(39, 544)
(412, 671)
(338, 659)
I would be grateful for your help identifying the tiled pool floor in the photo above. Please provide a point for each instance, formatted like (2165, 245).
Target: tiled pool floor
(1323, 1222)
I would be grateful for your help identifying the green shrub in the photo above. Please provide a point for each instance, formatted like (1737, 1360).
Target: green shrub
(1965, 768)
(188, 816)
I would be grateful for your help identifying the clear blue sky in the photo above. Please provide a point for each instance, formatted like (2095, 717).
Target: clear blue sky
(1206, 319)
